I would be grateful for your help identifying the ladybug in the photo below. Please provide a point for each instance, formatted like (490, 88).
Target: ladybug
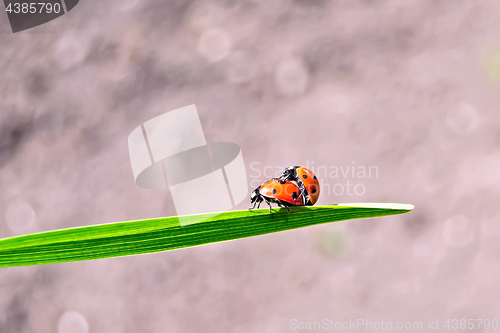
(306, 181)
(282, 192)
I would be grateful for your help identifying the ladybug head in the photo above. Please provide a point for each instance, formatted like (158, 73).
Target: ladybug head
(290, 172)
(255, 196)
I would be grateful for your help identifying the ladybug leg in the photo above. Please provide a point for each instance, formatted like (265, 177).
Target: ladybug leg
(283, 206)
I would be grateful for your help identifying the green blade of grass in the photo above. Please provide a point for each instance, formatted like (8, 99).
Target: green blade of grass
(162, 234)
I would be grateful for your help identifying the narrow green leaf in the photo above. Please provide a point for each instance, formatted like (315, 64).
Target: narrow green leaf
(162, 234)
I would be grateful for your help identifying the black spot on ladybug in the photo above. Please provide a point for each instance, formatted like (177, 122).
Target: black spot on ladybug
(274, 191)
(304, 176)
(294, 195)
(313, 191)
(315, 177)
(282, 182)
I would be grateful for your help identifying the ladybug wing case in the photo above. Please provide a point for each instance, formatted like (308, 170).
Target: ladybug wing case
(285, 192)
(310, 182)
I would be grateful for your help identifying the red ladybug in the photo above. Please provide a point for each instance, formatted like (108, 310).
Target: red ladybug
(279, 191)
(306, 181)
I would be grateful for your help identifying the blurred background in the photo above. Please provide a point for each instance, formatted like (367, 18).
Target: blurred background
(410, 88)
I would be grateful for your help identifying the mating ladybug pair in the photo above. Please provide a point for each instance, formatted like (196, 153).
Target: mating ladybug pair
(297, 186)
